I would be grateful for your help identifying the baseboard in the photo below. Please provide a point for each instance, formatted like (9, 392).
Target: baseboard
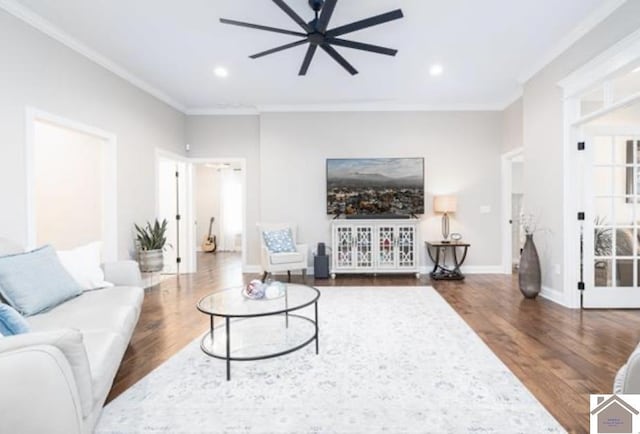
(471, 269)
(554, 296)
(257, 269)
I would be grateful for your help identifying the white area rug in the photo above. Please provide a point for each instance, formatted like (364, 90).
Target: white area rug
(392, 360)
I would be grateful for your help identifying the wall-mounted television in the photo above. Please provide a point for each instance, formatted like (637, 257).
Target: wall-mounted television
(375, 187)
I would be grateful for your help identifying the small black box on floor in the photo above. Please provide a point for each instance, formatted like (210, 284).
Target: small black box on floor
(321, 267)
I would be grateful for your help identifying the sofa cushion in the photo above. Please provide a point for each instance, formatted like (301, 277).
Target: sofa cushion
(87, 317)
(286, 258)
(104, 351)
(279, 241)
(35, 281)
(114, 296)
(84, 265)
(11, 322)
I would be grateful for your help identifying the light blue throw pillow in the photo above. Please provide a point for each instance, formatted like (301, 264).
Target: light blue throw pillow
(279, 241)
(35, 281)
(11, 322)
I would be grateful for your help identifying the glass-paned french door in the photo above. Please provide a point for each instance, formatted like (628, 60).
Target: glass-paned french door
(611, 254)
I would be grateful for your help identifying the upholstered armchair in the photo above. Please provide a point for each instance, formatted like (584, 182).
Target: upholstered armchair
(278, 261)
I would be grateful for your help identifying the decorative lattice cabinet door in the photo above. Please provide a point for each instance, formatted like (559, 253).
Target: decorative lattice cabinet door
(375, 246)
(344, 241)
(406, 247)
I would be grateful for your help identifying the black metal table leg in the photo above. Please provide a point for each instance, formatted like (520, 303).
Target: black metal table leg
(211, 328)
(227, 324)
(317, 334)
(286, 305)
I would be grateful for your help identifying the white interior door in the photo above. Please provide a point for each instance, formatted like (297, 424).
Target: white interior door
(611, 229)
(173, 206)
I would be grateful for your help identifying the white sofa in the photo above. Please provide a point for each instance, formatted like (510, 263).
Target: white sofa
(627, 379)
(56, 378)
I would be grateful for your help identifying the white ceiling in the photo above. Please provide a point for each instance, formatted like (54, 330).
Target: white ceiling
(486, 48)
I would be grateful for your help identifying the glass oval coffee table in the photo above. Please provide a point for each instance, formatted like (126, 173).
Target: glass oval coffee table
(259, 329)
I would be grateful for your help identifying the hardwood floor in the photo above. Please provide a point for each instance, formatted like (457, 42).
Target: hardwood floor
(561, 355)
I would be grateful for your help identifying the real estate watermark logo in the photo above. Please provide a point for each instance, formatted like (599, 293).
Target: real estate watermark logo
(615, 414)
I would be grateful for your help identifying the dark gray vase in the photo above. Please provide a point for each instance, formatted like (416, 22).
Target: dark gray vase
(529, 271)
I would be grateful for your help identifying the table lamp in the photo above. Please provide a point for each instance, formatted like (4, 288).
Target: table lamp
(445, 205)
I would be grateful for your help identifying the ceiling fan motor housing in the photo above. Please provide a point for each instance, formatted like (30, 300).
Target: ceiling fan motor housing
(316, 5)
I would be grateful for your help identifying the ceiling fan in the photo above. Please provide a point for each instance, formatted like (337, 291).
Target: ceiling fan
(316, 34)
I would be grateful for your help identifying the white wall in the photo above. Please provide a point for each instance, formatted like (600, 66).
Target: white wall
(286, 155)
(512, 126)
(543, 139)
(37, 71)
(461, 152)
(68, 186)
(207, 196)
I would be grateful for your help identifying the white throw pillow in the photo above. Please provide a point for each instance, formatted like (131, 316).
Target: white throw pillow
(83, 263)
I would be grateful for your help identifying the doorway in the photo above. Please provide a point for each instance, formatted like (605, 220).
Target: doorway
(71, 177)
(173, 178)
(512, 209)
(219, 191)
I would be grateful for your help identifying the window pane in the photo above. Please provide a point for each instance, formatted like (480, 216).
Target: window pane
(624, 270)
(623, 150)
(602, 273)
(603, 150)
(625, 242)
(624, 208)
(622, 181)
(602, 181)
(603, 242)
(604, 210)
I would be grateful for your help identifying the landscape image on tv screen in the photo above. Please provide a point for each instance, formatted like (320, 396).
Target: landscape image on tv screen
(375, 186)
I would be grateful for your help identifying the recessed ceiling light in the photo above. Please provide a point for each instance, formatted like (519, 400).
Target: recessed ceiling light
(637, 69)
(221, 72)
(436, 70)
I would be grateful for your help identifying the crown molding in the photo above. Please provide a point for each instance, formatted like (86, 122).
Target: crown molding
(346, 107)
(223, 111)
(376, 107)
(515, 96)
(588, 24)
(23, 13)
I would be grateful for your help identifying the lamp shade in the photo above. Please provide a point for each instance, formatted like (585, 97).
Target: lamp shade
(445, 204)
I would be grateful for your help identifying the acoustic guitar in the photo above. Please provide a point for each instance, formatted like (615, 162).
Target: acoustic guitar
(209, 243)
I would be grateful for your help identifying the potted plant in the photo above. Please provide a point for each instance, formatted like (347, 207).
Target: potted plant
(151, 241)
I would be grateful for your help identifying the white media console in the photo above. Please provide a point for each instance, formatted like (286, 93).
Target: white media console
(374, 246)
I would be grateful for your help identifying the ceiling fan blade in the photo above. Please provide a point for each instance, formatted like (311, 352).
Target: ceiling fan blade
(259, 27)
(307, 59)
(338, 58)
(294, 16)
(325, 15)
(280, 48)
(368, 22)
(362, 46)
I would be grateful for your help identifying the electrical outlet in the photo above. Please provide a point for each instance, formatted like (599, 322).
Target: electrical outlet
(485, 209)
(557, 270)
